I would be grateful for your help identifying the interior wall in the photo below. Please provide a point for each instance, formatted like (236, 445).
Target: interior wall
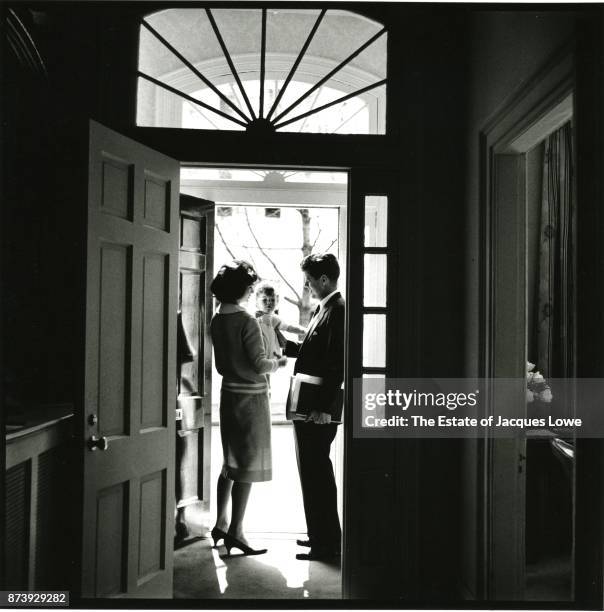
(507, 49)
(23, 367)
(47, 112)
(43, 214)
(588, 124)
(432, 196)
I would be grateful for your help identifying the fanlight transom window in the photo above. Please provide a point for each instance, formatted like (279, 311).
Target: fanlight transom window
(291, 70)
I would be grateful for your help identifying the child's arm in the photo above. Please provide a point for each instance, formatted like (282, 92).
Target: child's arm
(294, 329)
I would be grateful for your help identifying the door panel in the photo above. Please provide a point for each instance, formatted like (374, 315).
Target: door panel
(110, 543)
(157, 203)
(117, 178)
(152, 495)
(130, 390)
(191, 299)
(155, 277)
(114, 288)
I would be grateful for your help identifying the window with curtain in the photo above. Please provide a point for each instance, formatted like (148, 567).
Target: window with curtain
(555, 310)
(289, 70)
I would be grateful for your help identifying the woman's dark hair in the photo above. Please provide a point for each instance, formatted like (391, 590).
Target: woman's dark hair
(318, 264)
(232, 280)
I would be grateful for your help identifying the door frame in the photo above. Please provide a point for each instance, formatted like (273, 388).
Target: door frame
(343, 232)
(535, 111)
(391, 459)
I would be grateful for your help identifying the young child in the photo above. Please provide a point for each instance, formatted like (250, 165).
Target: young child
(267, 301)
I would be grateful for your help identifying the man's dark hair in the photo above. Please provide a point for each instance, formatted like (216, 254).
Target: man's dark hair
(318, 264)
(232, 280)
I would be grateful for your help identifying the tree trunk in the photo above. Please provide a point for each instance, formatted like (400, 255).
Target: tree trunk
(304, 305)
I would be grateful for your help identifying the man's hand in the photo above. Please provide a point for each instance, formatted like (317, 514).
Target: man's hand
(319, 418)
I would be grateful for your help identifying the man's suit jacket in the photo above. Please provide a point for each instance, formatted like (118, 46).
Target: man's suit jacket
(321, 353)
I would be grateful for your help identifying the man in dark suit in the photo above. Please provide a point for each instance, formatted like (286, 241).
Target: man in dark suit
(320, 357)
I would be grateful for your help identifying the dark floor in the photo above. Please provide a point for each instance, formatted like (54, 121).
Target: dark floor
(549, 580)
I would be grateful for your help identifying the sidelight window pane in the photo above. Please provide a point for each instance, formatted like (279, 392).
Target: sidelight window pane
(374, 341)
(375, 386)
(374, 274)
(376, 221)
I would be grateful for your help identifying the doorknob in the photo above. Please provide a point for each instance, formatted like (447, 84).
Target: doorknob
(100, 443)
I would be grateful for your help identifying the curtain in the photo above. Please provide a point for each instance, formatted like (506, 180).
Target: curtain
(555, 291)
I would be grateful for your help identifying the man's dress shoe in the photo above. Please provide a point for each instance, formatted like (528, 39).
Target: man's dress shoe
(319, 554)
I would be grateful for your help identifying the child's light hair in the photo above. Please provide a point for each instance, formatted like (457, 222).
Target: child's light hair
(266, 287)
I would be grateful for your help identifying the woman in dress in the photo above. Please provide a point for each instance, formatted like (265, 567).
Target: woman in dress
(245, 425)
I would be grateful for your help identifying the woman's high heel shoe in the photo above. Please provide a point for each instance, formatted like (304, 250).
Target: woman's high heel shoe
(231, 542)
(217, 535)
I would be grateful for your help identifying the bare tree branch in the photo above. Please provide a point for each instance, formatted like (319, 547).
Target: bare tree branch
(314, 244)
(247, 218)
(226, 246)
(251, 258)
(332, 243)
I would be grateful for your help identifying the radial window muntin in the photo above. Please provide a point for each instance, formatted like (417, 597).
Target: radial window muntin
(348, 82)
(364, 103)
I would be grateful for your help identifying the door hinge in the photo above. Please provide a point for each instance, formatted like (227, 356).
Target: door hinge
(521, 460)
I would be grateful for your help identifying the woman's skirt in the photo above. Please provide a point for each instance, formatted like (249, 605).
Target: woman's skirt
(245, 430)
